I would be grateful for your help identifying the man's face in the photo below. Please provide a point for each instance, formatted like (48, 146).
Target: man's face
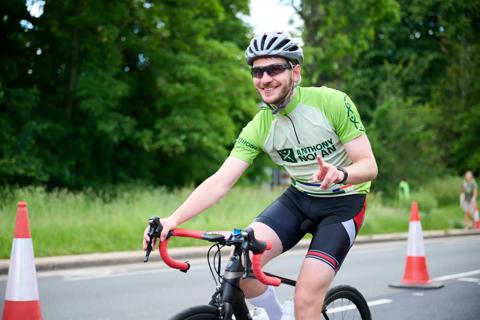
(274, 88)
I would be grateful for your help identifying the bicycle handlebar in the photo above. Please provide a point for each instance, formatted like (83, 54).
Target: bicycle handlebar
(258, 272)
(256, 246)
(163, 248)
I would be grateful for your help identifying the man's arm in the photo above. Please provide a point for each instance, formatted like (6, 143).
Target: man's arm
(205, 195)
(363, 167)
(211, 190)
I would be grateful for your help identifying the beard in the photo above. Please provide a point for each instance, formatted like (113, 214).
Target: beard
(282, 95)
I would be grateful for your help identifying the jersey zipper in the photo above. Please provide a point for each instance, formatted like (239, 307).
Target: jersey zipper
(294, 129)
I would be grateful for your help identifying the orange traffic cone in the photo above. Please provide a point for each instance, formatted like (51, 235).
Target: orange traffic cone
(416, 273)
(21, 297)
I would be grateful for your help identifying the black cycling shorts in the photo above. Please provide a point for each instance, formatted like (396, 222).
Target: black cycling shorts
(333, 222)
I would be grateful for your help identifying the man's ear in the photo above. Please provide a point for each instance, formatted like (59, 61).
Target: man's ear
(297, 73)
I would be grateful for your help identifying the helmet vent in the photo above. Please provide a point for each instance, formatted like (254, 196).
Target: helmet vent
(294, 48)
(262, 45)
(255, 45)
(281, 44)
(271, 42)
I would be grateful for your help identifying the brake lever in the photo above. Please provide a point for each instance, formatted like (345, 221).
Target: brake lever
(246, 256)
(148, 250)
(248, 265)
(154, 231)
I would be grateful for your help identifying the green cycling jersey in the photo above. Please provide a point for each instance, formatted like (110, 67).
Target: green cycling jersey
(317, 121)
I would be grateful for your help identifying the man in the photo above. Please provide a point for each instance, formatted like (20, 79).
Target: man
(317, 135)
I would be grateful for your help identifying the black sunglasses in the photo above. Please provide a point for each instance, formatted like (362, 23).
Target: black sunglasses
(271, 70)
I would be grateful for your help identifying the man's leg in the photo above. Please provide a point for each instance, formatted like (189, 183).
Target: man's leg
(328, 248)
(257, 293)
(312, 286)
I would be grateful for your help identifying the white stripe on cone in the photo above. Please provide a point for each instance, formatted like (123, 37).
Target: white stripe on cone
(415, 240)
(22, 281)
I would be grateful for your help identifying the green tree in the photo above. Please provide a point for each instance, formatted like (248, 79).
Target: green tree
(405, 139)
(98, 92)
(336, 33)
(457, 93)
(412, 68)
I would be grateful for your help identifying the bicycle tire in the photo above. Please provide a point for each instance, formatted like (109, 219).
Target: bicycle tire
(346, 302)
(204, 312)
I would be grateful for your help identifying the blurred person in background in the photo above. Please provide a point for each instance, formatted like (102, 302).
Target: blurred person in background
(468, 198)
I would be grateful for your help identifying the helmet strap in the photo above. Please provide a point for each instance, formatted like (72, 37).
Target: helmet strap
(284, 103)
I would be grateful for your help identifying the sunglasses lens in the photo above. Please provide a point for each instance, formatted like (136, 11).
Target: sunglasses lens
(257, 72)
(276, 69)
(271, 70)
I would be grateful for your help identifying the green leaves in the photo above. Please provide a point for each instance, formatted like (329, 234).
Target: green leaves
(99, 92)
(411, 67)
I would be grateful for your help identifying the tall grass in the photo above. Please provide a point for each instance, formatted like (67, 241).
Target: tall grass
(437, 202)
(65, 222)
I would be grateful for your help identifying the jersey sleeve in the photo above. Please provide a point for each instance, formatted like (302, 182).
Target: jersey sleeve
(345, 117)
(250, 141)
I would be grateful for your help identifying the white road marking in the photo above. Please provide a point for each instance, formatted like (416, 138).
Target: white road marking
(379, 302)
(474, 280)
(79, 277)
(457, 275)
(352, 306)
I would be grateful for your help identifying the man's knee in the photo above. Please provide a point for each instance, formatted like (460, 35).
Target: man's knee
(312, 286)
(306, 295)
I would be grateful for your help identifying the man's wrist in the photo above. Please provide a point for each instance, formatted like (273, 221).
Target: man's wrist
(345, 175)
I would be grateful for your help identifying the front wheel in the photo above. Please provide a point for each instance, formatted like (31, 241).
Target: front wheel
(345, 302)
(205, 312)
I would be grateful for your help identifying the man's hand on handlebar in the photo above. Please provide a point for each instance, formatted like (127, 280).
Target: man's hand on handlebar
(167, 224)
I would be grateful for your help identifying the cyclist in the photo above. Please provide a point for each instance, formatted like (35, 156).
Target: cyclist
(316, 134)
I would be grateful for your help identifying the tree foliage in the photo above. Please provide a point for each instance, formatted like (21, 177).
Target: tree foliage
(412, 68)
(96, 92)
(101, 92)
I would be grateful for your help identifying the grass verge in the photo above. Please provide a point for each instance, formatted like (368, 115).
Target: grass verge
(65, 223)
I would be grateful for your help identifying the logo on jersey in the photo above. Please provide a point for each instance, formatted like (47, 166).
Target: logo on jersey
(305, 154)
(351, 114)
(287, 155)
(324, 148)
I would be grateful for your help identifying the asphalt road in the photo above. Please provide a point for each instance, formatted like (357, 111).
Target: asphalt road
(138, 291)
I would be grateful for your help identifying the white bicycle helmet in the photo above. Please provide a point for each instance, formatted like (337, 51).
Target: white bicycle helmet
(274, 44)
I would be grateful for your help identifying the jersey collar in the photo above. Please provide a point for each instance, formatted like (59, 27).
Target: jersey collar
(293, 102)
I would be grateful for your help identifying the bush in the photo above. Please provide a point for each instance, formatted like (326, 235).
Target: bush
(445, 189)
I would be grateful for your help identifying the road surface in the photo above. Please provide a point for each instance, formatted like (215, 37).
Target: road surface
(155, 292)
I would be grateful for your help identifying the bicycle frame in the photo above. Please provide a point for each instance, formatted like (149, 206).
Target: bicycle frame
(228, 299)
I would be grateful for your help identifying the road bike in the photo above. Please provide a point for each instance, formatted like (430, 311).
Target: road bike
(228, 301)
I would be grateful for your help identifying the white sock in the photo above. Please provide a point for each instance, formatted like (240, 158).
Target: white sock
(268, 301)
